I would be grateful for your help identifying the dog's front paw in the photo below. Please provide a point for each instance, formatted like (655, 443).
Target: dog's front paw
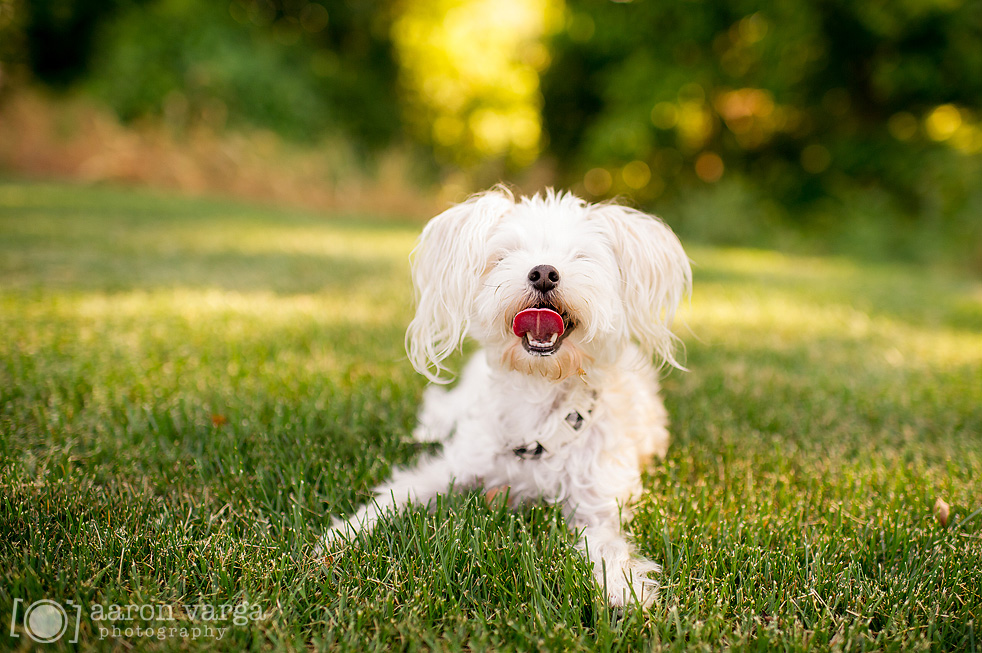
(631, 583)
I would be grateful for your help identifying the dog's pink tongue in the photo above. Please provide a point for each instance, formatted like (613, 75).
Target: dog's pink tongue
(539, 323)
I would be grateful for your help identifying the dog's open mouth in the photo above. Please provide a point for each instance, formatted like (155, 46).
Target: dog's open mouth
(542, 330)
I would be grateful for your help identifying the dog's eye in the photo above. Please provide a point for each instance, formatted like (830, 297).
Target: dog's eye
(580, 256)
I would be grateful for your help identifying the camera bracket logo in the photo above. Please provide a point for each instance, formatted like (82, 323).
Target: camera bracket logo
(47, 621)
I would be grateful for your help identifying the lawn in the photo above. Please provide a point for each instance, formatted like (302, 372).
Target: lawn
(189, 389)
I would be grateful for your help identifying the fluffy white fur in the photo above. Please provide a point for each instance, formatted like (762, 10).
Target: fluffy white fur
(622, 275)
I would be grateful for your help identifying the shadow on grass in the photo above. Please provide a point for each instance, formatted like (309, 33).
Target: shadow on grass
(97, 240)
(70, 266)
(917, 297)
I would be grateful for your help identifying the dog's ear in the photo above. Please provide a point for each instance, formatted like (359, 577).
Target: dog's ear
(655, 276)
(448, 263)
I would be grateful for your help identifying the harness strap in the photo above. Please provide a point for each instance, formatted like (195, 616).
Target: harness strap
(575, 420)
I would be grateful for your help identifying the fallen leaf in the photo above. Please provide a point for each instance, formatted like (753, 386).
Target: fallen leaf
(490, 495)
(941, 511)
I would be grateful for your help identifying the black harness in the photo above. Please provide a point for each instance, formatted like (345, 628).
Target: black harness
(575, 421)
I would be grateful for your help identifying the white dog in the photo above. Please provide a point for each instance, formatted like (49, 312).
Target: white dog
(570, 302)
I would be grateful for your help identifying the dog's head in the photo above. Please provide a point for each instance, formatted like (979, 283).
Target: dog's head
(550, 284)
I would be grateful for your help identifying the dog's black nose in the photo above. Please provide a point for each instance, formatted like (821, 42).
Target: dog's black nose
(544, 278)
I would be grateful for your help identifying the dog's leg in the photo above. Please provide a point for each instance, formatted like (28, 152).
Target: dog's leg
(437, 416)
(415, 485)
(442, 410)
(624, 575)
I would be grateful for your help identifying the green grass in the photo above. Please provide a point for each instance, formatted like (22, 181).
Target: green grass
(190, 389)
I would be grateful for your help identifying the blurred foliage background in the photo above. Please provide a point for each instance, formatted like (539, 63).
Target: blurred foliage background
(816, 125)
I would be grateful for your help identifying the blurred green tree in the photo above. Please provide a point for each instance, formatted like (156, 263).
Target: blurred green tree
(60, 35)
(470, 76)
(12, 38)
(794, 94)
(826, 117)
(304, 69)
